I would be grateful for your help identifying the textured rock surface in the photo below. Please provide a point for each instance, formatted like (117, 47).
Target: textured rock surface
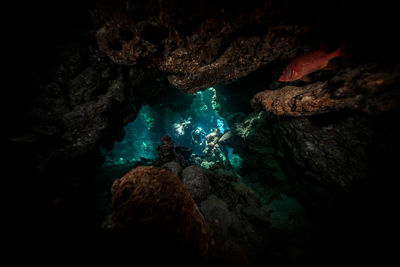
(169, 151)
(154, 200)
(67, 97)
(196, 181)
(173, 167)
(330, 159)
(85, 99)
(364, 88)
(251, 137)
(218, 216)
(199, 44)
(327, 152)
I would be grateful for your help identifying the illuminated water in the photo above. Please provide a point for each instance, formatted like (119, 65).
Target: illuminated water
(188, 128)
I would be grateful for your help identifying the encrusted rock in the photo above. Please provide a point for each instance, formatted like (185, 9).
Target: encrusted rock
(82, 88)
(154, 200)
(364, 88)
(251, 138)
(169, 151)
(196, 181)
(203, 46)
(173, 167)
(323, 144)
(219, 218)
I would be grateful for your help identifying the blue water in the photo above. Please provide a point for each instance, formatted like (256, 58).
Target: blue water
(187, 128)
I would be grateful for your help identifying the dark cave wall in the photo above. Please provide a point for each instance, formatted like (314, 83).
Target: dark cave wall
(203, 43)
(81, 75)
(67, 99)
(68, 74)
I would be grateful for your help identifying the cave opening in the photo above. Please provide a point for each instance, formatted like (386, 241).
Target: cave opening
(188, 128)
(219, 133)
(301, 171)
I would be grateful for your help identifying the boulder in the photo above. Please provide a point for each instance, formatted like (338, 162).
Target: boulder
(168, 151)
(196, 181)
(218, 216)
(151, 205)
(173, 167)
(365, 88)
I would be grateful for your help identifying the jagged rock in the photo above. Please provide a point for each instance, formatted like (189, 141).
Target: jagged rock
(252, 139)
(329, 156)
(221, 181)
(202, 46)
(196, 181)
(82, 88)
(327, 147)
(173, 167)
(169, 151)
(364, 88)
(235, 213)
(151, 201)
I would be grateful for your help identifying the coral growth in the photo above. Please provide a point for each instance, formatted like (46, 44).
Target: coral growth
(363, 88)
(155, 201)
(196, 181)
(169, 151)
(201, 46)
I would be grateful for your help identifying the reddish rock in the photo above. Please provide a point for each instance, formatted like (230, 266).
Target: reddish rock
(198, 44)
(148, 199)
(363, 88)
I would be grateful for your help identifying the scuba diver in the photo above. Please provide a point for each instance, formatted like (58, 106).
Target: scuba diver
(198, 136)
(212, 142)
(214, 150)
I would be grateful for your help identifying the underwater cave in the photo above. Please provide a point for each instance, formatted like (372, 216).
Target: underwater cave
(188, 128)
(202, 133)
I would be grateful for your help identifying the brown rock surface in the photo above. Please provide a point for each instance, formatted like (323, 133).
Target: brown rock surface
(155, 201)
(364, 88)
(199, 44)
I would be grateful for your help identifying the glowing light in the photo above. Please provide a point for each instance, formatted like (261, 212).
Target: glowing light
(179, 129)
(188, 128)
(220, 125)
(181, 126)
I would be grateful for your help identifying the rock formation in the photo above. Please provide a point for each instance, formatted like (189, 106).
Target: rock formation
(199, 45)
(196, 181)
(173, 167)
(363, 88)
(152, 203)
(169, 151)
(84, 71)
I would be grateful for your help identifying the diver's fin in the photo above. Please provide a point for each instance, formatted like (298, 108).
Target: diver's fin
(305, 78)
